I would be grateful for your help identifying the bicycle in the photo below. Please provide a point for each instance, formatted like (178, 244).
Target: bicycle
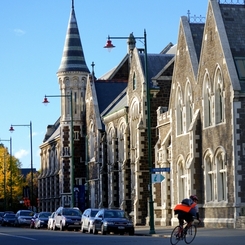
(183, 233)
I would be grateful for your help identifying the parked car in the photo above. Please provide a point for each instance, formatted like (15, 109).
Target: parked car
(51, 225)
(1, 217)
(23, 217)
(67, 218)
(8, 219)
(41, 220)
(112, 220)
(32, 223)
(87, 220)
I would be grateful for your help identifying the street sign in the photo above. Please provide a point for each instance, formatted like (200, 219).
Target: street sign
(160, 170)
(157, 178)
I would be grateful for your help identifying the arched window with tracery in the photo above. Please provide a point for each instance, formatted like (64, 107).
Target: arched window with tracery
(121, 131)
(209, 177)
(134, 114)
(179, 111)
(188, 105)
(221, 175)
(182, 180)
(219, 97)
(207, 99)
(91, 141)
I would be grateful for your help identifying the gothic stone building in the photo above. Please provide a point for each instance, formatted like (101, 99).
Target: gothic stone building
(201, 136)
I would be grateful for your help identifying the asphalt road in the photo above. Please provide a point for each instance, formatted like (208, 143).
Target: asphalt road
(27, 236)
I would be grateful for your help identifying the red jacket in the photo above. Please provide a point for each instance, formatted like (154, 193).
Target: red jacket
(185, 208)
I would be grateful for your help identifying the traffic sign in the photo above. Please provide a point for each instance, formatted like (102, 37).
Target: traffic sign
(160, 170)
(157, 178)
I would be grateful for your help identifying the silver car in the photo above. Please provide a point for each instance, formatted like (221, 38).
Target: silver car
(67, 218)
(88, 219)
(23, 217)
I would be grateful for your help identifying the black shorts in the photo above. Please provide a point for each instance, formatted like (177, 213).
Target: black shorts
(185, 216)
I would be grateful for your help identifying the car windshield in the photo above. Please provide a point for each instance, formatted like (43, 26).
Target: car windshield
(93, 213)
(44, 215)
(9, 215)
(26, 213)
(71, 212)
(114, 214)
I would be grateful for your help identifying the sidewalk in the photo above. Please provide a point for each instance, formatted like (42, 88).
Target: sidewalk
(159, 231)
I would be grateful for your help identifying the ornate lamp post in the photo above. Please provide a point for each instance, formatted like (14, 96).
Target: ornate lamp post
(11, 182)
(30, 126)
(45, 101)
(109, 45)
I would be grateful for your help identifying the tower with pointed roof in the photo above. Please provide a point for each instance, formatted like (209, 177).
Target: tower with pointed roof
(63, 151)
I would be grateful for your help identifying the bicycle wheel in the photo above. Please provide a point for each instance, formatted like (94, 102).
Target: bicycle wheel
(174, 238)
(190, 234)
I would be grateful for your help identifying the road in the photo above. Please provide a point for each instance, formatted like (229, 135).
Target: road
(27, 236)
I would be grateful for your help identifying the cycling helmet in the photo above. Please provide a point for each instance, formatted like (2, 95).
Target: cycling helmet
(193, 198)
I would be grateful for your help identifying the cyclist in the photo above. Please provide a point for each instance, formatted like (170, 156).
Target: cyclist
(186, 210)
(195, 200)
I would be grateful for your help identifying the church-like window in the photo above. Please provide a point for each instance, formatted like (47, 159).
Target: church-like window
(182, 181)
(219, 97)
(207, 99)
(134, 82)
(221, 175)
(179, 111)
(188, 105)
(210, 178)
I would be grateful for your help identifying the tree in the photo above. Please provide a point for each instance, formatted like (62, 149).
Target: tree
(11, 180)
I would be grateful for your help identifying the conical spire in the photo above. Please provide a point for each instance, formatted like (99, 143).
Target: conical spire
(73, 56)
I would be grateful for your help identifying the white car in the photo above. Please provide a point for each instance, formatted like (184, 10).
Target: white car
(51, 224)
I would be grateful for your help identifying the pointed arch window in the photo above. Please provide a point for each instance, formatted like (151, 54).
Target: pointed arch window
(221, 176)
(182, 181)
(210, 179)
(188, 105)
(134, 82)
(219, 97)
(207, 97)
(179, 111)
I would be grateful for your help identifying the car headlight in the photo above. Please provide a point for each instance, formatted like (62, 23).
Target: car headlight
(108, 223)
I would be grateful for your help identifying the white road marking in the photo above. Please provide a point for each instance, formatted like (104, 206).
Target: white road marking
(23, 237)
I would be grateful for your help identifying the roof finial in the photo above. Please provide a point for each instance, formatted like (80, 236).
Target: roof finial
(72, 4)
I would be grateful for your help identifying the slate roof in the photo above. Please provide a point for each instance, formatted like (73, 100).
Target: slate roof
(155, 63)
(107, 91)
(197, 36)
(234, 20)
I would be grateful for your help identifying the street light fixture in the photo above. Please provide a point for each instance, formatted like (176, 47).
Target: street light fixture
(109, 46)
(30, 126)
(11, 181)
(45, 101)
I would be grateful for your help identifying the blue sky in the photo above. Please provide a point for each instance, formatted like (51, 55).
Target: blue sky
(32, 40)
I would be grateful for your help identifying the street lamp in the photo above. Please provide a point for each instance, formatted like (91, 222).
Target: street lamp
(45, 101)
(109, 46)
(30, 126)
(11, 183)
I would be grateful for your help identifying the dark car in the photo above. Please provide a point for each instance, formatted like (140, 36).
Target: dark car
(112, 220)
(88, 219)
(41, 220)
(67, 218)
(8, 219)
(23, 217)
(1, 217)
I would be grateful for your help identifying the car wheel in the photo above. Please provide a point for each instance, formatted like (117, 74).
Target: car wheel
(103, 231)
(94, 230)
(82, 228)
(61, 226)
(89, 229)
